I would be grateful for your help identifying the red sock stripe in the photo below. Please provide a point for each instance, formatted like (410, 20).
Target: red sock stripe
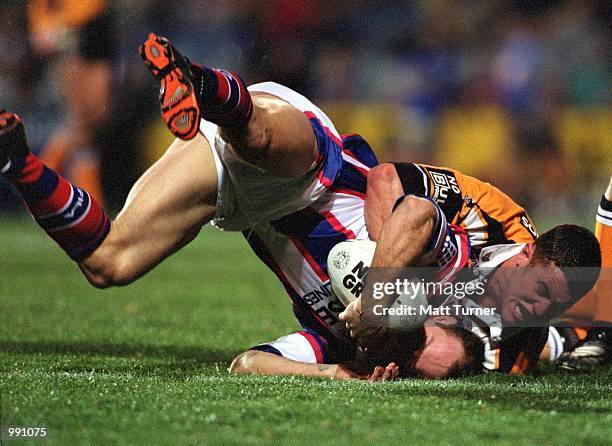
(84, 237)
(55, 203)
(68, 214)
(223, 87)
(32, 170)
(230, 104)
(244, 93)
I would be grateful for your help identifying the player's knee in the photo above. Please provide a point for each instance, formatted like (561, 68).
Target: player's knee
(108, 277)
(107, 267)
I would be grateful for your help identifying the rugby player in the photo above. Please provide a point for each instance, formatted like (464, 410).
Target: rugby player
(262, 160)
(503, 244)
(430, 352)
(499, 220)
(264, 153)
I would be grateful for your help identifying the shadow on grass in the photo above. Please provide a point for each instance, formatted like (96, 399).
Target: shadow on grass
(138, 358)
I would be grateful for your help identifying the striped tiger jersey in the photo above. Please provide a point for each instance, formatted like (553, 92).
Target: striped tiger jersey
(489, 216)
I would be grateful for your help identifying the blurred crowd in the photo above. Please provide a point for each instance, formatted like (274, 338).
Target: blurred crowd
(515, 92)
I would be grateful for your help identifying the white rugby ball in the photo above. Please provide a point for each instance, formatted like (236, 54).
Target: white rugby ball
(347, 264)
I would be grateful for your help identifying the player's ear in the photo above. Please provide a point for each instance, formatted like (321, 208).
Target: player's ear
(526, 254)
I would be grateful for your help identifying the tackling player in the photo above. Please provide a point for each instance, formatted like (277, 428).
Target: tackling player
(503, 242)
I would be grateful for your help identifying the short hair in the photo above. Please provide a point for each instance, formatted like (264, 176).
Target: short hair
(473, 361)
(576, 251)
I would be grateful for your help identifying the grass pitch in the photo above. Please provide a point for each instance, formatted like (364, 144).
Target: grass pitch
(146, 364)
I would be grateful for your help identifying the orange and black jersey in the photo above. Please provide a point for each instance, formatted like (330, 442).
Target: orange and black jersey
(489, 216)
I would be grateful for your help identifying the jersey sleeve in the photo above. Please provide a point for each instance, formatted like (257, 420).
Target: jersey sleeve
(303, 346)
(487, 214)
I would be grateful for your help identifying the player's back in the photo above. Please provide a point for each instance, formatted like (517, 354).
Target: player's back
(296, 246)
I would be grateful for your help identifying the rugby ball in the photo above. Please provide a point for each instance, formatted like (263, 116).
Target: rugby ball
(347, 263)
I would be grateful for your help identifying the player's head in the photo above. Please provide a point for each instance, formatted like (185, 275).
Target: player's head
(553, 273)
(431, 352)
(570, 247)
(448, 352)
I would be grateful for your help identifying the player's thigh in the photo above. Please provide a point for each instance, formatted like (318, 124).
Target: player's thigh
(280, 138)
(184, 177)
(165, 210)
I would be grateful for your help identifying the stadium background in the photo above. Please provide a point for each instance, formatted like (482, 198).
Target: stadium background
(516, 92)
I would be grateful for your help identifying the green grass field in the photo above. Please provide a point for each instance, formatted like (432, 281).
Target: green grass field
(146, 364)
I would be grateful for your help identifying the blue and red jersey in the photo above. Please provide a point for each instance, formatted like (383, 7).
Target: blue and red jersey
(297, 245)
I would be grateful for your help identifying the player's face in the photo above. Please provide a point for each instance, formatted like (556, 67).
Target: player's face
(436, 358)
(532, 294)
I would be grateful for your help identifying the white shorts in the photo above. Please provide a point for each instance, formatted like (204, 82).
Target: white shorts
(248, 195)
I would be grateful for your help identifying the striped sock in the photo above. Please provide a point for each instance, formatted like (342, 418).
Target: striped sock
(225, 99)
(68, 214)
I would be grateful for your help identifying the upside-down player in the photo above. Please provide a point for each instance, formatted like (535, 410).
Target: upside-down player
(264, 153)
(266, 162)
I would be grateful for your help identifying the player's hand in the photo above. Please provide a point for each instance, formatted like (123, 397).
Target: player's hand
(385, 373)
(363, 333)
(13, 142)
(345, 372)
(352, 318)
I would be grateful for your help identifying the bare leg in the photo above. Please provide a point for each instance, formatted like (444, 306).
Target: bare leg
(263, 129)
(165, 210)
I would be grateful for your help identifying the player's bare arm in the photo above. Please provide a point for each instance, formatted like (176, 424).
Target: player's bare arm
(403, 239)
(402, 234)
(384, 188)
(405, 234)
(264, 363)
